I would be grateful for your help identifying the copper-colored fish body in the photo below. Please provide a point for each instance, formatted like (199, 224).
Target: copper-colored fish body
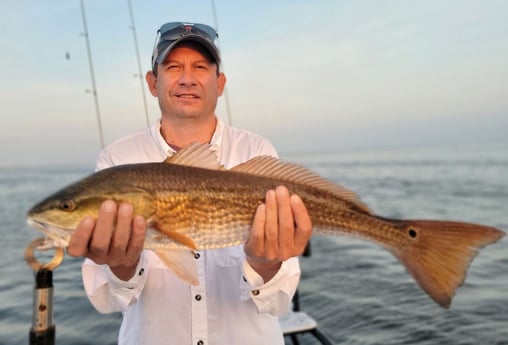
(192, 203)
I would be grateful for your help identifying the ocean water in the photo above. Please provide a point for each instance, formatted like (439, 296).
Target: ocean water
(357, 292)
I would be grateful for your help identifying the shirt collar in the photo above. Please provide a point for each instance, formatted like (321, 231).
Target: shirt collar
(169, 151)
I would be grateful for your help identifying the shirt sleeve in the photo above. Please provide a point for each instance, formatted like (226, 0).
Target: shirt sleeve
(103, 161)
(106, 292)
(273, 297)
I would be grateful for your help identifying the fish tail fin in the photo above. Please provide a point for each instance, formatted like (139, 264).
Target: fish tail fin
(440, 253)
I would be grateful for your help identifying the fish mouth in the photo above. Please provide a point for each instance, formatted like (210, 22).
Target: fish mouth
(57, 237)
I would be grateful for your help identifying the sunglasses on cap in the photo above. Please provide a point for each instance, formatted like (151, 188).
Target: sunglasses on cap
(175, 30)
(170, 32)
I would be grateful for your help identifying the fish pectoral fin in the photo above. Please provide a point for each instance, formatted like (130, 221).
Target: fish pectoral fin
(177, 236)
(182, 263)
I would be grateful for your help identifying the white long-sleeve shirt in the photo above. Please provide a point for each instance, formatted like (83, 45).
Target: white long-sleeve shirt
(231, 304)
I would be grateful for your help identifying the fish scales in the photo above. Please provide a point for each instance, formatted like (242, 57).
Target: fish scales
(215, 208)
(191, 202)
(198, 202)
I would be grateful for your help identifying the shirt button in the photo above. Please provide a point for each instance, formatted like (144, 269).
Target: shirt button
(200, 342)
(197, 297)
(255, 292)
(197, 256)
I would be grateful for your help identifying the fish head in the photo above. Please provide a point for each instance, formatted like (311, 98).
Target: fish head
(58, 215)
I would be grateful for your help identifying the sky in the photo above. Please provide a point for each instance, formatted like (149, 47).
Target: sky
(322, 75)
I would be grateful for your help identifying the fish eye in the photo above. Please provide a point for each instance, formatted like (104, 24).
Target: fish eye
(67, 205)
(412, 233)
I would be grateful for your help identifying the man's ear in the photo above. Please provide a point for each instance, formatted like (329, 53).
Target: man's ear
(221, 83)
(151, 81)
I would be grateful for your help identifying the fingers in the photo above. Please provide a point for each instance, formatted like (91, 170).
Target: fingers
(263, 242)
(78, 244)
(281, 229)
(116, 238)
(104, 227)
(256, 241)
(120, 239)
(303, 223)
(271, 245)
(137, 240)
(286, 223)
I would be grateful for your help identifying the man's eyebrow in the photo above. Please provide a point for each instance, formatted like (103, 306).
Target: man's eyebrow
(204, 60)
(171, 60)
(167, 62)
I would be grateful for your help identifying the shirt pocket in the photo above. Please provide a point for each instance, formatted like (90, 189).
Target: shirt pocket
(231, 260)
(229, 257)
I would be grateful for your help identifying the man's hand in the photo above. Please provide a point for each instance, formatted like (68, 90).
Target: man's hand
(281, 229)
(116, 238)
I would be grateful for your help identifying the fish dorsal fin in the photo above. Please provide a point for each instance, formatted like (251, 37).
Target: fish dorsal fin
(267, 166)
(196, 155)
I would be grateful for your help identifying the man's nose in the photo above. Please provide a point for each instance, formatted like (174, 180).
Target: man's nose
(187, 77)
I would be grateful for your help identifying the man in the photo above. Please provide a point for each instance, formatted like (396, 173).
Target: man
(241, 289)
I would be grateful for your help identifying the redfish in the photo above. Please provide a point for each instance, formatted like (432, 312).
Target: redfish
(192, 203)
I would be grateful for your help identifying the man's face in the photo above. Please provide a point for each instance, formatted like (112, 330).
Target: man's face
(187, 84)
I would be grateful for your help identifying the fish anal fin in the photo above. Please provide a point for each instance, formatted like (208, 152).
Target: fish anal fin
(440, 252)
(176, 236)
(272, 167)
(182, 263)
(196, 155)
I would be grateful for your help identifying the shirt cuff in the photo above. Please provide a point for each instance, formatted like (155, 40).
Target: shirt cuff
(117, 283)
(274, 296)
(126, 293)
(254, 278)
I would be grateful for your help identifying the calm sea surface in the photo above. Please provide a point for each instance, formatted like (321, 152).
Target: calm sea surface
(358, 293)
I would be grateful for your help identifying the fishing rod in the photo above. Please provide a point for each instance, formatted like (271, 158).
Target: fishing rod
(43, 330)
(92, 75)
(140, 73)
(226, 94)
